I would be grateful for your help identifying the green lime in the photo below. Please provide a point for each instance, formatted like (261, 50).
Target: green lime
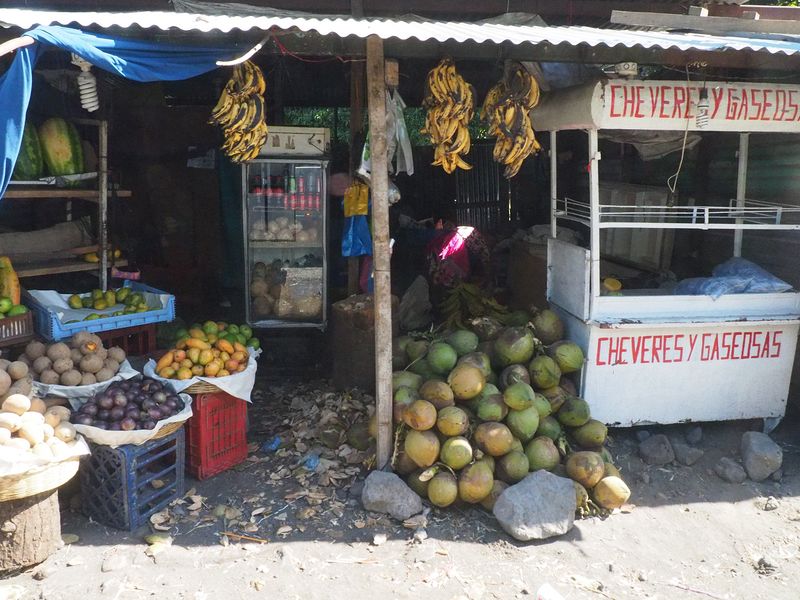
(17, 309)
(241, 339)
(253, 343)
(246, 331)
(87, 302)
(233, 329)
(5, 304)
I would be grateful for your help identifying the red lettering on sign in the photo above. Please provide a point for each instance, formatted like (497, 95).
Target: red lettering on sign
(730, 113)
(692, 342)
(716, 95)
(776, 345)
(600, 344)
(629, 101)
(639, 101)
(664, 102)
(653, 100)
(679, 101)
(613, 91)
(676, 348)
(767, 105)
(754, 93)
(679, 347)
(792, 106)
(658, 342)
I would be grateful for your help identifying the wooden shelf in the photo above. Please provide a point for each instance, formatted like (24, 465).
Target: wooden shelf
(281, 245)
(47, 192)
(59, 265)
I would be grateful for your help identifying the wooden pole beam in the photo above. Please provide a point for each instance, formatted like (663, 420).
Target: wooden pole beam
(381, 253)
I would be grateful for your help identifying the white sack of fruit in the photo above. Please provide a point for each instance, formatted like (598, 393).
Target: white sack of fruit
(32, 435)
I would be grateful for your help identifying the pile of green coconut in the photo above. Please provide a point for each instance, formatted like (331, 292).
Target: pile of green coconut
(478, 409)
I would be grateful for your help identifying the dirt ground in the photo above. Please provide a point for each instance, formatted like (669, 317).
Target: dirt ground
(687, 534)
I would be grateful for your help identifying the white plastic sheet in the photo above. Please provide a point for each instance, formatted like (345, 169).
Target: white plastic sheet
(14, 461)
(126, 371)
(239, 385)
(136, 437)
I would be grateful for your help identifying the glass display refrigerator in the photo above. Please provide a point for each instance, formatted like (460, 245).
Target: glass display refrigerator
(285, 221)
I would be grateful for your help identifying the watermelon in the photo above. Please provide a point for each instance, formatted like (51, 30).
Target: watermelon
(61, 147)
(29, 162)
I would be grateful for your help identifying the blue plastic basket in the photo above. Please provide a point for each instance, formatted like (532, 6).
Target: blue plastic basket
(116, 483)
(49, 326)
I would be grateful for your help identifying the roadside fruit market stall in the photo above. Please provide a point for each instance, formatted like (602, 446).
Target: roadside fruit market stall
(691, 352)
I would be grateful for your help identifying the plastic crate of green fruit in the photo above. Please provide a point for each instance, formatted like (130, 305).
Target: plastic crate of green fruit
(59, 316)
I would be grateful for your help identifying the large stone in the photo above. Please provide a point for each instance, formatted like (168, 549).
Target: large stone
(729, 470)
(760, 455)
(540, 506)
(656, 450)
(387, 493)
(686, 454)
(694, 435)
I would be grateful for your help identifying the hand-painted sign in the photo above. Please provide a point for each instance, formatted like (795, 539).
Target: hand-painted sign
(673, 347)
(674, 105)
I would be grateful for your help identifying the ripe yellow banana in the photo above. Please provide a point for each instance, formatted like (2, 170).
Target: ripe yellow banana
(449, 101)
(506, 110)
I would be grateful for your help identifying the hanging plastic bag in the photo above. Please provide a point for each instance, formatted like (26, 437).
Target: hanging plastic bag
(398, 145)
(404, 157)
(356, 237)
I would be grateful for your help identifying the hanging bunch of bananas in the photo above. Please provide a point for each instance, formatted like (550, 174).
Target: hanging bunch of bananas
(506, 110)
(450, 103)
(241, 112)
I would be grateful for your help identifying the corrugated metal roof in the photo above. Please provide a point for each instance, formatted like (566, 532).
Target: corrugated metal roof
(404, 29)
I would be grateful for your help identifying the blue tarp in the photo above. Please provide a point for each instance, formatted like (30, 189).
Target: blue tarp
(132, 59)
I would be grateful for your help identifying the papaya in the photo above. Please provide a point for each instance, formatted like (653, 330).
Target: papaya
(165, 361)
(199, 344)
(9, 282)
(225, 346)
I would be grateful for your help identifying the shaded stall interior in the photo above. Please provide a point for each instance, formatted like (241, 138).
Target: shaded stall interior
(183, 217)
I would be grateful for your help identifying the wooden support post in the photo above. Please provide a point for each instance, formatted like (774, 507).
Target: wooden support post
(102, 182)
(381, 254)
(356, 129)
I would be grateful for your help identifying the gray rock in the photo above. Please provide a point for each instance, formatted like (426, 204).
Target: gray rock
(387, 493)
(43, 572)
(686, 454)
(777, 475)
(642, 434)
(694, 435)
(656, 450)
(760, 455)
(729, 470)
(540, 506)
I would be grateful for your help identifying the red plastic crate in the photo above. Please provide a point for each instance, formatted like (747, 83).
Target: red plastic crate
(216, 435)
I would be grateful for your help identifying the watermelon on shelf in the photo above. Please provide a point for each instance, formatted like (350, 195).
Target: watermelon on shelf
(29, 162)
(61, 147)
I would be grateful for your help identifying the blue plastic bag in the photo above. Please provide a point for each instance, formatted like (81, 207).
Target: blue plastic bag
(760, 281)
(711, 286)
(356, 238)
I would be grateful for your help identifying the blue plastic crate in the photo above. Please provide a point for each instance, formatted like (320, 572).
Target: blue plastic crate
(52, 329)
(116, 483)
